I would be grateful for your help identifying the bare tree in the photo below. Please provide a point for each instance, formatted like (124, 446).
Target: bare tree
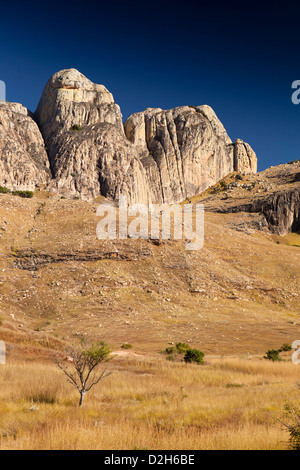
(83, 369)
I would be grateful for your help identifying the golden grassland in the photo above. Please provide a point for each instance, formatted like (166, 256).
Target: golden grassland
(238, 296)
(149, 403)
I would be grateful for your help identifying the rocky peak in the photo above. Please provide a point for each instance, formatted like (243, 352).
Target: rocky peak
(69, 99)
(158, 155)
(88, 151)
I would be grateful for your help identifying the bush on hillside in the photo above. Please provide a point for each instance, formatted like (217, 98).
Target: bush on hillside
(194, 355)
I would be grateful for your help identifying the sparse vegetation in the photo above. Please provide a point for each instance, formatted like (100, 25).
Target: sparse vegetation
(4, 190)
(75, 127)
(293, 415)
(273, 355)
(190, 355)
(126, 346)
(24, 194)
(85, 364)
(148, 404)
(194, 355)
(223, 185)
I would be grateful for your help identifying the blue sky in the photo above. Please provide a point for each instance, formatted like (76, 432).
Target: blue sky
(239, 58)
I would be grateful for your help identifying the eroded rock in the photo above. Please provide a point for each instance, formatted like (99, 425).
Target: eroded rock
(88, 151)
(184, 150)
(23, 159)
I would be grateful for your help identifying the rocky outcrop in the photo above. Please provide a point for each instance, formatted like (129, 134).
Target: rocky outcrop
(245, 160)
(156, 156)
(282, 211)
(271, 197)
(185, 150)
(88, 151)
(23, 159)
(32, 261)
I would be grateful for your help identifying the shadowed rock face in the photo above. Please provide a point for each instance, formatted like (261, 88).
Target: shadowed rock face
(282, 211)
(185, 150)
(23, 158)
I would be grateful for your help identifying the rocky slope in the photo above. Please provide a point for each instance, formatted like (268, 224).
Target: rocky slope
(58, 282)
(163, 156)
(272, 197)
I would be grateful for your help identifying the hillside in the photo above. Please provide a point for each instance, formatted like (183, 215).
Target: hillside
(58, 283)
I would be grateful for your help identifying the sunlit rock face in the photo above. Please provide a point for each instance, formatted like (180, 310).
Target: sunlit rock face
(23, 159)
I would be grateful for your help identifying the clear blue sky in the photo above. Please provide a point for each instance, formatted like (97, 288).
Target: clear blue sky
(239, 58)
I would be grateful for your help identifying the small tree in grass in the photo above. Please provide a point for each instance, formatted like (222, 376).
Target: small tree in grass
(292, 414)
(83, 372)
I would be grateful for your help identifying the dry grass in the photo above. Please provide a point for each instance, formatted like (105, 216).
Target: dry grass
(239, 294)
(228, 403)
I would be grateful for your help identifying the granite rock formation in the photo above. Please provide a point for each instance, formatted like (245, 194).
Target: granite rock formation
(88, 151)
(156, 156)
(24, 162)
(185, 150)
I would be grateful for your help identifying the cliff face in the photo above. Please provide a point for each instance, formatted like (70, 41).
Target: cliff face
(185, 150)
(23, 159)
(282, 211)
(162, 156)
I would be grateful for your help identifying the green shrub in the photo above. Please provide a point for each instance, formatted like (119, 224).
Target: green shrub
(224, 185)
(194, 355)
(293, 427)
(182, 348)
(170, 350)
(126, 346)
(4, 190)
(23, 194)
(273, 355)
(76, 127)
(239, 177)
(285, 348)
